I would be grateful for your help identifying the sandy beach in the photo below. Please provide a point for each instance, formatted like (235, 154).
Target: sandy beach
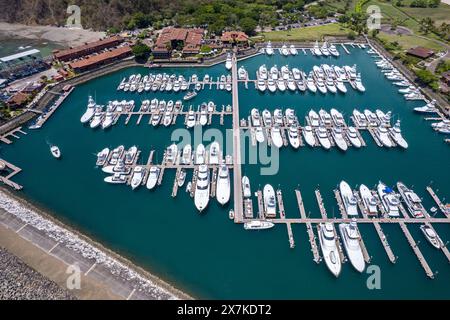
(68, 37)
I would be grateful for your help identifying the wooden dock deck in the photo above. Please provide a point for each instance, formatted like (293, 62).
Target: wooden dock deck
(436, 199)
(322, 209)
(13, 170)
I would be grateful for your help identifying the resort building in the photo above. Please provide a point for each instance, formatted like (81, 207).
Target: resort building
(95, 61)
(22, 64)
(88, 48)
(420, 52)
(238, 38)
(187, 41)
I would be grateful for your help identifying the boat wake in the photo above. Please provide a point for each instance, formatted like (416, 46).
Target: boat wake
(73, 242)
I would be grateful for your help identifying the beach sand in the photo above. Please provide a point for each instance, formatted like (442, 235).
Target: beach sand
(68, 37)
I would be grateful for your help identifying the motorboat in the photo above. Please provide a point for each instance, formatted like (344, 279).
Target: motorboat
(385, 118)
(153, 176)
(214, 153)
(428, 108)
(116, 178)
(270, 204)
(284, 50)
(203, 120)
(314, 119)
(383, 135)
(275, 134)
(294, 139)
(330, 85)
(181, 178)
(259, 135)
(291, 85)
(242, 73)
(368, 200)
(358, 83)
(328, 245)
(274, 73)
(291, 118)
(337, 117)
(223, 185)
(296, 74)
(359, 118)
(228, 63)
(309, 136)
(119, 167)
(311, 84)
(325, 118)
(324, 49)
(340, 85)
(56, 153)
(396, 135)
(351, 239)
(301, 85)
(190, 95)
(200, 154)
(258, 225)
(98, 117)
(352, 135)
(292, 50)
(136, 178)
(255, 117)
(271, 85)
(333, 50)
(186, 155)
(338, 136)
(269, 49)
(322, 135)
(281, 85)
(116, 154)
(102, 156)
(320, 84)
(349, 200)
(412, 201)
(262, 72)
(267, 118)
(285, 72)
(130, 155)
(316, 49)
(89, 113)
(201, 195)
(432, 236)
(261, 84)
(171, 153)
(372, 118)
(191, 120)
(246, 187)
(389, 200)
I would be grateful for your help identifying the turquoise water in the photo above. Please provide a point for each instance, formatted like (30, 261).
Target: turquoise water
(209, 256)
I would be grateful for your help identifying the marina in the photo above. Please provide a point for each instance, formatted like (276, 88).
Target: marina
(148, 224)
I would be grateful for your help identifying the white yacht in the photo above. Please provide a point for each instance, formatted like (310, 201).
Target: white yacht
(294, 139)
(130, 155)
(200, 154)
(385, 118)
(56, 153)
(285, 72)
(246, 187)
(340, 85)
(322, 135)
(352, 135)
(203, 119)
(201, 196)
(258, 225)
(412, 201)
(372, 118)
(98, 117)
(396, 135)
(261, 84)
(116, 178)
(389, 200)
(270, 204)
(223, 185)
(291, 118)
(116, 154)
(330, 252)
(281, 85)
(311, 84)
(330, 85)
(269, 49)
(187, 154)
(338, 136)
(153, 177)
(214, 153)
(228, 63)
(383, 135)
(349, 200)
(278, 117)
(359, 118)
(172, 153)
(296, 74)
(333, 50)
(314, 119)
(316, 49)
(309, 136)
(191, 120)
(275, 134)
(359, 84)
(259, 134)
(274, 73)
(255, 117)
(293, 50)
(242, 73)
(324, 49)
(432, 236)
(89, 113)
(102, 156)
(262, 72)
(267, 118)
(325, 118)
(337, 117)
(271, 85)
(320, 84)
(284, 50)
(350, 237)
(428, 108)
(291, 85)
(368, 200)
(136, 178)
(181, 178)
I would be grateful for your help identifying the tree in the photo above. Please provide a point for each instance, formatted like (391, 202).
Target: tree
(426, 25)
(141, 51)
(248, 25)
(425, 76)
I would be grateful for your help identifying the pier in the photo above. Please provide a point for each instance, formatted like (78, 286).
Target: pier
(12, 171)
(338, 197)
(13, 133)
(436, 199)
(261, 212)
(322, 209)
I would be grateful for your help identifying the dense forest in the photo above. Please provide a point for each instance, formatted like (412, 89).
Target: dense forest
(130, 14)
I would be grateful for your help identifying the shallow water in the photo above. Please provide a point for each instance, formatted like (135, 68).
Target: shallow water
(209, 256)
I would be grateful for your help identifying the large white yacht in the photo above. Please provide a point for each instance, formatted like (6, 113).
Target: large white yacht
(272, 85)
(281, 85)
(246, 187)
(228, 63)
(102, 156)
(432, 236)
(89, 113)
(338, 137)
(138, 175)
(311, 84)
(330, 252)
(258, 225)
(316, 49)
(275, 134)
(203, 119)
(368, 200)
(223, 185)
(270, 204)
(314, 119)
(187, 154)
(350, 237)
(396, 135)
(322, 135)
(261, 85)
(191, 120)
(337, 117)
(201, 196)
(284, 50)
(152, 177)
(262, 72)
(130, 155)
(353, 137)
(255, 117)
(293, 136)
(383, 135)
(98, 117)
(388, 199)
(267, 118)
(269, 49)
(359, 118)
(308, 134)
(324, 49)
(116, 178)
(412, 201)
(172, 153)
(259, 135)
(293, 50)
(325, 118)
(428, 108)
(333, 50)
(349, 200)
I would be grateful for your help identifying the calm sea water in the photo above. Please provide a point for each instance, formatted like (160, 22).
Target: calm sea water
(10, 46)
(209, 256)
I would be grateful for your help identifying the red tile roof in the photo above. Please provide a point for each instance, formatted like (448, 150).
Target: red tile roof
(190, 37)
(420, 52)
(234, 35)
(88, 46)
(92, 60)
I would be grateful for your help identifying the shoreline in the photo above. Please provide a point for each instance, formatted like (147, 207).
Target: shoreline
(116, 263)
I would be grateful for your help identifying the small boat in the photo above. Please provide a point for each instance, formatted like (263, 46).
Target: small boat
(246, 187)
(351, 238)
(55, 151)
(293, 51)
(271, 85)
(242, 73)
(102, 156)
(322, 135)
(428, 108)
(89, 113)
(284, 50)
(191, 120)
(349, 200)
(228, 63)
(203, 119)
(136, 178)
(261, 84)
(269, 49)
(181, 178)
(153, 176)
(116, 178)
(338, 137)
(214, 153)
(330, 252)
(432, 236)
(270, 205)
(258, 225)
(293, 136)
(231, 214)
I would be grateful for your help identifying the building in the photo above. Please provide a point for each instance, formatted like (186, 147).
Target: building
(95, 61)
(18, 100)
(86, 49)
(446, 78)
(237, 38)
(22, 64)
(188, 41)
(420, 52)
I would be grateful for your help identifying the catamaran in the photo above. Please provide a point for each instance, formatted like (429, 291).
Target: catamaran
(330, 252)
(223, 185)
(201, 195)
(351, 238)
(349, 200)
(270, 205)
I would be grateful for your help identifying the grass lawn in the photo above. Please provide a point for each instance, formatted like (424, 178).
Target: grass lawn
(307, 33)
(340, 4)
(390, 14)
(409, 41)
(438, 15)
